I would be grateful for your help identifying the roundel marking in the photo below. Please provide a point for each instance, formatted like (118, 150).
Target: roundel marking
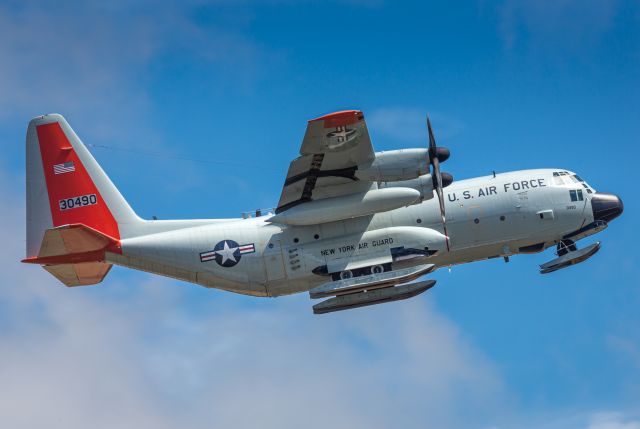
(227, 253)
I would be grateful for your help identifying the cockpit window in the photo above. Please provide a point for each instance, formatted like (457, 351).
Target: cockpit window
(557, 179)
(576, 195)
(562, 178)
(584, 184)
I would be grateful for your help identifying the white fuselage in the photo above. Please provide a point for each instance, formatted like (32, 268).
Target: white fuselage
(510, 213)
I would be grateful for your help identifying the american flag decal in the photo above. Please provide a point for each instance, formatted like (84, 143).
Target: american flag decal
(66, 167)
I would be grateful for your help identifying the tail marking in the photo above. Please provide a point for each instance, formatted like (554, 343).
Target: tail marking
(73, 196)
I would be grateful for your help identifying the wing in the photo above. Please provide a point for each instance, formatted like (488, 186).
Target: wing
(333, 147)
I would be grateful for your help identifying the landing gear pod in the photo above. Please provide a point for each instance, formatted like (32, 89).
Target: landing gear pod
(378, 296)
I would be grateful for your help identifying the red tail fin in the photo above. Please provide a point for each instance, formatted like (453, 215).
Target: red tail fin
(73, 197)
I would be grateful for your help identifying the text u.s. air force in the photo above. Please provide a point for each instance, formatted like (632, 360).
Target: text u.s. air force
(520, 186)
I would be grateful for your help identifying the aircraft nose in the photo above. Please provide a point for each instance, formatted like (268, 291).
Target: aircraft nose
(606, 206)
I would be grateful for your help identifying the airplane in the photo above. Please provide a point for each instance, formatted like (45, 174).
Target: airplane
(353, 225)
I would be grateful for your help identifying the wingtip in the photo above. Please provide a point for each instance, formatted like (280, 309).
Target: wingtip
(340, 118)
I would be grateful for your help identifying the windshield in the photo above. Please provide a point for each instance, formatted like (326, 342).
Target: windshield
(562, 178)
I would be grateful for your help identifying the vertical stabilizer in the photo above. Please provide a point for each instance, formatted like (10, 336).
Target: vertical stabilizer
(66, 186)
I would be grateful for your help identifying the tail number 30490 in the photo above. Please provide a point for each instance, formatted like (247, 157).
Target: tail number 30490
(75, 202)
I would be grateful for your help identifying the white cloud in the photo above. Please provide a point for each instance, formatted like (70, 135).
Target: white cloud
(594, 420)
(95, 63)
(92, 61)
(79, 62)
(611, 420)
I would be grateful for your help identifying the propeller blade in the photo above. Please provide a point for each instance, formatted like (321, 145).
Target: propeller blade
(432, 139)
(439, 191)
(437, 177)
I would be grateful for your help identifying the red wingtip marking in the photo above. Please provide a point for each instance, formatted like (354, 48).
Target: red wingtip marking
(340, 119)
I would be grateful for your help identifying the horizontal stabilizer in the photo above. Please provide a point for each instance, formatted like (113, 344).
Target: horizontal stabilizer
(73, 244)
(82, 274)
(75, 254)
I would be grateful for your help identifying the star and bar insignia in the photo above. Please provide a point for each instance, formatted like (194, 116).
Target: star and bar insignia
(227, 253)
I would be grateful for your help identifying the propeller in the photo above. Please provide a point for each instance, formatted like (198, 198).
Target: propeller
(437, 154)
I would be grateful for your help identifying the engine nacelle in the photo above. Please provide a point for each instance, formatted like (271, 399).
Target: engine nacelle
(395, 165)
(423, 184)
(347, 206)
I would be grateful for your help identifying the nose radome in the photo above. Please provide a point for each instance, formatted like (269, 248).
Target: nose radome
(606, 207)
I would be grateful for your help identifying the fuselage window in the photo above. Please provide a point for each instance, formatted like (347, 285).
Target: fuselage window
(580, 197)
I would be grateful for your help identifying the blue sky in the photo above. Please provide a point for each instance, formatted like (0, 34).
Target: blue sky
(195, 110)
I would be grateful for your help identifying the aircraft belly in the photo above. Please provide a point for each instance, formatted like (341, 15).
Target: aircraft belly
(291, 286)
(189, 254)
(203, 279)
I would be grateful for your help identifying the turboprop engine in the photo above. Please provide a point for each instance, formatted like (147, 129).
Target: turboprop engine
(395, 165)
(406, 168)
(353, 205)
